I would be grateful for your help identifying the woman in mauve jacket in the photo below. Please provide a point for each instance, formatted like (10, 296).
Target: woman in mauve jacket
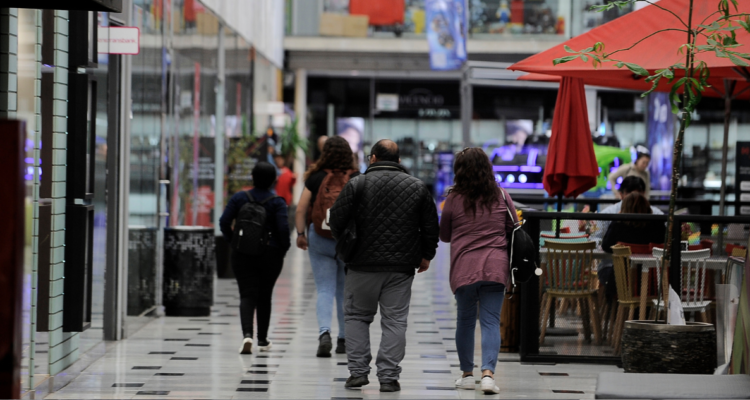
(477, 224)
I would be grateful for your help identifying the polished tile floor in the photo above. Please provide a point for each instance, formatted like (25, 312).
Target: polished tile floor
(197, 358)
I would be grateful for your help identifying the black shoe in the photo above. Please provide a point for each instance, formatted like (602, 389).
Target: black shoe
(392, 386)
(264, 345)
(356, 381)
(324, 345)
(341, 346)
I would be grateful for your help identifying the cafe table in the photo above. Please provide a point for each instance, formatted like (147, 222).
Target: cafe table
(717, 264)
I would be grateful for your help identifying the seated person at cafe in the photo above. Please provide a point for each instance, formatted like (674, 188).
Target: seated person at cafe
(630, 184)
(634, 232)
(630, 232)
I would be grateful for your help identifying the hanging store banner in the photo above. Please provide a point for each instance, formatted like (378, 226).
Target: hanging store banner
(447, 29)
(660, 130)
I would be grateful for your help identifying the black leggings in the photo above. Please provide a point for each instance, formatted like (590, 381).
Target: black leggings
(256, 277)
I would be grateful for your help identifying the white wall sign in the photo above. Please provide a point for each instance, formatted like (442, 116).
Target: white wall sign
(119, 40)
(387, 102)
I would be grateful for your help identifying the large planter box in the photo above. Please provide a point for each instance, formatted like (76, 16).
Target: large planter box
(655, 347)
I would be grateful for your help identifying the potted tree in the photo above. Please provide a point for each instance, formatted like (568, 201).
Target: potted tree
(654, 346)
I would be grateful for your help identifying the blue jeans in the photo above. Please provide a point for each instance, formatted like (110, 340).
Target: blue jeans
(328, 272)
(490, 296)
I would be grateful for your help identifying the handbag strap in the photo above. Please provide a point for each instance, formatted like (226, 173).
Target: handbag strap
(507, 207)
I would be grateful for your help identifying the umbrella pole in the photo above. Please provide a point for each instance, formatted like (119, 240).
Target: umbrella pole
(559, 210)
(728, 91)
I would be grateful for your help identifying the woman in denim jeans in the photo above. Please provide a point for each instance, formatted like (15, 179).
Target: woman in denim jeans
(328, 271)
(476, 223)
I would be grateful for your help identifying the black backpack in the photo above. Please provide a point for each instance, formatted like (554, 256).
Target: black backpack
(250, 233)
(523, 253)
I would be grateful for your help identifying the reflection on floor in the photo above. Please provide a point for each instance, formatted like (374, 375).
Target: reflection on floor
(197, 357)
(88, 338)
(567, 338)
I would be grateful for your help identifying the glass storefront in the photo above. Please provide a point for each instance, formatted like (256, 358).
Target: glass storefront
(512, 124)
(174, 127)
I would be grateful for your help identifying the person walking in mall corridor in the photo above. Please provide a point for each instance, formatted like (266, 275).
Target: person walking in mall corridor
(397, 233)
(477, 224)
(638, 168)
(323, 182)
(257, 269)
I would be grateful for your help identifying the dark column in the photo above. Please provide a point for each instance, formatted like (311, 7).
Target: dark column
(11, 256)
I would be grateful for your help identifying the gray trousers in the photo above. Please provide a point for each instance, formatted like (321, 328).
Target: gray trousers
(363, 292)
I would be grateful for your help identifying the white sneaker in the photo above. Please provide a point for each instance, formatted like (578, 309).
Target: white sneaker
(266, 347)
(466, 383)
(488, 386)
(247, 346)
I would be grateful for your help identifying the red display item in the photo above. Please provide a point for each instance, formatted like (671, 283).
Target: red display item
(381, 12)
(516, 12)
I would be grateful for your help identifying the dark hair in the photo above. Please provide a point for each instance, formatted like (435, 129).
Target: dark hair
(264, 175)
(386, 150)
(632, 184)
(337, 154)
(475, 180)
(635, 203)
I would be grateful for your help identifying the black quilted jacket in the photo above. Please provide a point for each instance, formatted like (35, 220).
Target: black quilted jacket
(397, 222)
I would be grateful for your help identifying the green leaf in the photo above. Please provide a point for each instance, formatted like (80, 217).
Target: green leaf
(563, 60)
(620, 64)
(746, 23)
(569, 50)
(584, 58)
(738, 61)
(656, 79)
(637, 69)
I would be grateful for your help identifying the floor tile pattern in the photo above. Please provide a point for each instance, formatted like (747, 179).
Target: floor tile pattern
(196, 358)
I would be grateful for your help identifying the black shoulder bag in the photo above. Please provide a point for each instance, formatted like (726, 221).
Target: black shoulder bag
(346, 245)
(522, 252)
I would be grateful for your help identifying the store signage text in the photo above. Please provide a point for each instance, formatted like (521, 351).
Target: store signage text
(434, 112)
(421, 98)
(119, 40)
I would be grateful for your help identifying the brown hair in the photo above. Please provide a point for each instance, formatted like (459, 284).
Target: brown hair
(475, 180)
(337, 154)
(635, 203)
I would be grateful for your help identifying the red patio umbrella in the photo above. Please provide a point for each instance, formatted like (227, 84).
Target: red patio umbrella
(656, 52)
(571, 167)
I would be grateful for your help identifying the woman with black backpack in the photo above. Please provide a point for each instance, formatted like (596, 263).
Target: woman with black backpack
(323, 183)
(259, 240)
(477, 224)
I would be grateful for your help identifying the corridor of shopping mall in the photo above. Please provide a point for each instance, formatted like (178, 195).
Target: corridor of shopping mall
(138, 138)
(197, 358)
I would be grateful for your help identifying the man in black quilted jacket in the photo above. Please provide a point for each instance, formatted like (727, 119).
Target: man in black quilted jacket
(397, 234)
